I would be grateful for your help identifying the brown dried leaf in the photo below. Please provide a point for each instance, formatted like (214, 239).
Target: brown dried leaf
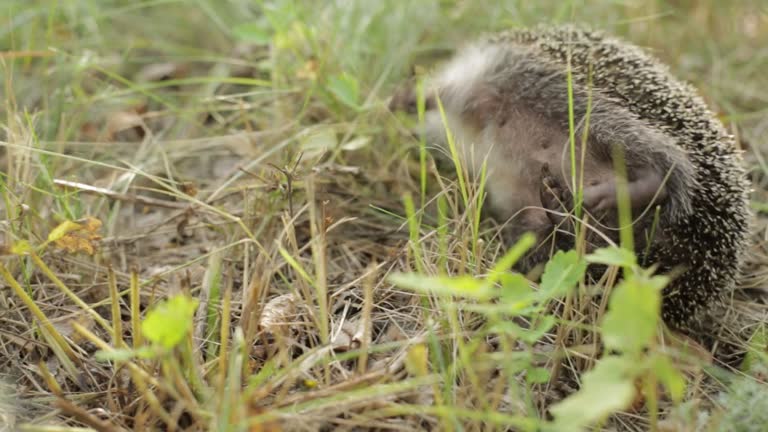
(89, 131)
(189, 188)
(278, 314)
(308, 71)
(393, 333)
(349, 337)
(67, 330)
(161, 72)
(125, 126)
(77, 236)
(267, 426)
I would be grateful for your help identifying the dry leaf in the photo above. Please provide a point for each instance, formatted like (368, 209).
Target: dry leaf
(349, 337)
(308, 71)
(189, 188)
(393, 333)
(77, 236)
(65, 328)
(161, 72)
(89, 131)
(126, 125)
(266, 426)
(278, 314)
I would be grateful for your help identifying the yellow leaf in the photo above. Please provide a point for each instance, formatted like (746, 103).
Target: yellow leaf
(63, 229)
(21, 247)
(79, 236)
(417, 360)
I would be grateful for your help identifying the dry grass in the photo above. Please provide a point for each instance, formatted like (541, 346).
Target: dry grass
(255, 167)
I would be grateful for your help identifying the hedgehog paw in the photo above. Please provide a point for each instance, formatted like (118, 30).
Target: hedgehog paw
(555, 197)
(600, 197)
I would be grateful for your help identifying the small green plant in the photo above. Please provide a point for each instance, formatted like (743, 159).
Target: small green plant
(628, 329)
(628, 333)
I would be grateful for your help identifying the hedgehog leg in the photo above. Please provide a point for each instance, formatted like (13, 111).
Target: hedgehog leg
(646, 188)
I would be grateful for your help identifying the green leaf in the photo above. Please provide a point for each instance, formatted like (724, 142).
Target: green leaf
(543, 325)
(514, 287)
(633, 314)
(756, 357)
(672, 379)
(170, 321)
(346, 89)
(537, 375)
(318, 142)
(511, 257)
(254, 32)
(460, 286)
(561, 273)
(606, 389)
(614, 256)
(528, 335)
(267, 372)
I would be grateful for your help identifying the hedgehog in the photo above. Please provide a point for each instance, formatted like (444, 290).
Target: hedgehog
(505, 99)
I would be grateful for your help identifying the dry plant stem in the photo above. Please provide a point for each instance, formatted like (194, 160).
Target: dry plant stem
(50, 381)
(223, 360)
(498, 390)
(206, 310)
(71, 409)
(140, 379)
(135, 309)
(56, 338)
(233, 402)
(117, 320)
(317, 231)
(255, 296)
(25, 54)
(290, 175)
(173, 373)
(562, 332)
(368, 284)
(123, 197)
(650, 384)
(461, 351)
(85, 417)
(65, 289)
(140, 376)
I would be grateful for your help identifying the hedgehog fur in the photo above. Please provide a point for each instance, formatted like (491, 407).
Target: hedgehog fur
(659, 121)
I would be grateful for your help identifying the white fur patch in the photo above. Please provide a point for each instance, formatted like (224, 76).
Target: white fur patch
(462, 74)
(457, 80)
